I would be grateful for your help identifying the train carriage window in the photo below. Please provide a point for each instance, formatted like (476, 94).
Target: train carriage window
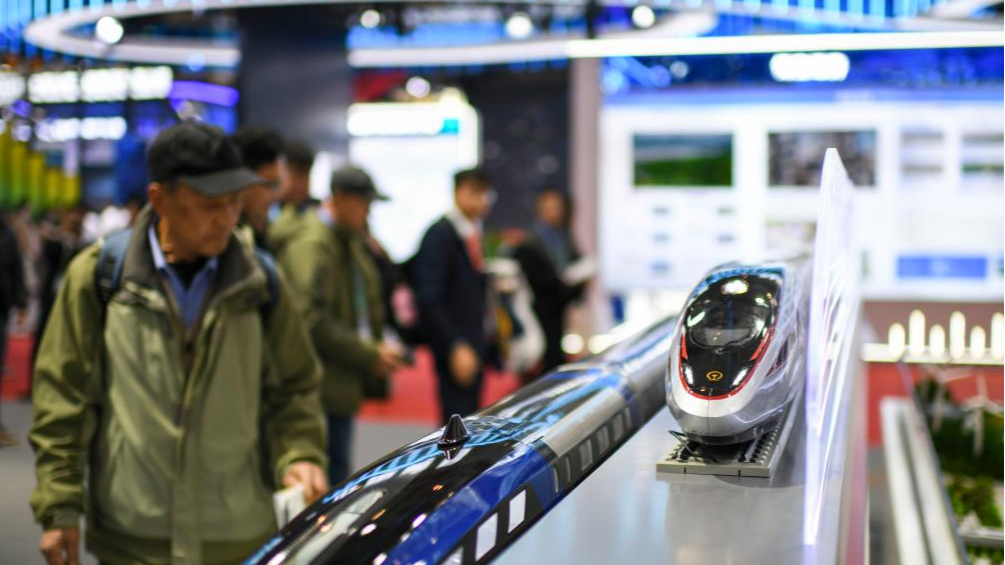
(554, 478)
(627, 416)
(517, 510)
(602, 441)
(585, 455)
(566, 470)
(618, 428)
(455, 558)
(486, 539)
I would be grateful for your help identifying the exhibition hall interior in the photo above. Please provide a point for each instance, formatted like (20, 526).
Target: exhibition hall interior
(502, 281)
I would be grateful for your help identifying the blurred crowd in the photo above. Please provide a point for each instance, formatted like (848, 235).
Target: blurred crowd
(199, 351)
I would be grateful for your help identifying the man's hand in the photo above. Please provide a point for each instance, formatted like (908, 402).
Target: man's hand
(309, 476)
(463, 365)
(22, 316)
(61, 547)
(389, 359)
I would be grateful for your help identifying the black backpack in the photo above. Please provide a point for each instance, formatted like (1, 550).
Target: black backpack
(108, 273)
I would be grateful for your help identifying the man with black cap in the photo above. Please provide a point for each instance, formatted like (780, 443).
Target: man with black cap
(338, 290)
(175, 377)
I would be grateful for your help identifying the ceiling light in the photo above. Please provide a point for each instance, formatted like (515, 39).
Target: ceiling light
(643, 17)
(109, 30)
(519, 26)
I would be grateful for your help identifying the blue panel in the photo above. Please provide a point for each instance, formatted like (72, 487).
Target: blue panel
(450, 126)
(942, 267)
(965, 71)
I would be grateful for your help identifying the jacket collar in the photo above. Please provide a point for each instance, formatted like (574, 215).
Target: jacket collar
(236, 265)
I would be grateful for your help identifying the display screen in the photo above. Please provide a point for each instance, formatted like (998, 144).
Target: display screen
(683, 161)
(795, 158)
(983, 160)
(922, 152)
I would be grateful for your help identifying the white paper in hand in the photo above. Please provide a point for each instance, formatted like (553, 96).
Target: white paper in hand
(288, 503)
(580, 271)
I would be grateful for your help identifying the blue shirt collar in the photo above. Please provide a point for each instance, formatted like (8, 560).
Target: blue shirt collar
(188, 299)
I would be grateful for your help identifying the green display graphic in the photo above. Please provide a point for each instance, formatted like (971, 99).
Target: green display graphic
(683, 161)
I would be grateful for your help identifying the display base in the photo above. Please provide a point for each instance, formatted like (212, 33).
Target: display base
(756, 458)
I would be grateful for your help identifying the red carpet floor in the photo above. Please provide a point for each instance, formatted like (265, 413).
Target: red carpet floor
(14, 381)
(413, 394)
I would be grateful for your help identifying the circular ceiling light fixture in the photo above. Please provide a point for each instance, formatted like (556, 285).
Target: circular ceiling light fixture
(108, 30)
(643, 17)
(370, 19)
(519, 26)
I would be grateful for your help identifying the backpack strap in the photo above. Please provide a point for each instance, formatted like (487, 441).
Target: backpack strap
(268, 264)
(108, 273)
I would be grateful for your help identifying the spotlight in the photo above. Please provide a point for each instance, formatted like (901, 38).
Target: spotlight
(519, 26)
(370, 19)
(109, 30)
(643, 17)
(418, 87)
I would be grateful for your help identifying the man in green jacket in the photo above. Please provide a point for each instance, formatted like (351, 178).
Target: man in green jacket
(337, 289)
(184, 388)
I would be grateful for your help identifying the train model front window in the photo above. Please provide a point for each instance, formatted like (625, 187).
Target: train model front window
(726, 318)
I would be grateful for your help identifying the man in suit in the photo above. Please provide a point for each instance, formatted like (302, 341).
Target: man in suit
(543, 257)
(450, 288)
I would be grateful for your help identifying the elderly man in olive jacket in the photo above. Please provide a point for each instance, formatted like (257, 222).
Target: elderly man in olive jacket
(181, 383)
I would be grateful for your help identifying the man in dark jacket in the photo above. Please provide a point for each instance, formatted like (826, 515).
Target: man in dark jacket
(543, 257)
(450, 288)
(13, 294)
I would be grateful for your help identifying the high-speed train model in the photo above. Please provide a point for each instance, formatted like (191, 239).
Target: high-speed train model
(736, 361)
(462, 494)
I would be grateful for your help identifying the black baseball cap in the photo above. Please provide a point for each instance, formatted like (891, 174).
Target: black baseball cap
(201, 156)
(353, 180)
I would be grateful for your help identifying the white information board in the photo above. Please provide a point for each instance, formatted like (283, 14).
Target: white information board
(928, 177)
(412, 152)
